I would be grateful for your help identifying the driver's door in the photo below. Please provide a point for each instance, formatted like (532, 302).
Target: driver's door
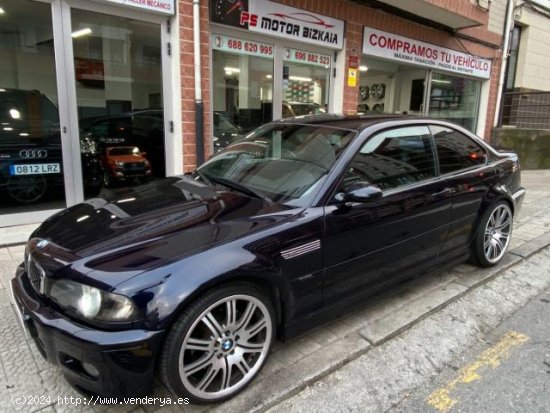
(371, 243)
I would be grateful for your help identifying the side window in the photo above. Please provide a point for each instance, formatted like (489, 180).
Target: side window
(393, 158)
(455, 150)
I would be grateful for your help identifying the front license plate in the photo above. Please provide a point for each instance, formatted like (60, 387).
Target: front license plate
(35, 169)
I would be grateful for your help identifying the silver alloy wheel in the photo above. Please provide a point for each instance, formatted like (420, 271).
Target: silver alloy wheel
(225, 347)
(497, 233)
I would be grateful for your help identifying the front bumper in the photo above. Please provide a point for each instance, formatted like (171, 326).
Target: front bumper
(123, 360)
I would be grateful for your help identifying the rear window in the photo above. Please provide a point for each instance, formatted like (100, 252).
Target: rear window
(455, 150)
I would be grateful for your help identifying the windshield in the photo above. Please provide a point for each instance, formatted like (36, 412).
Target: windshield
(124, 150)
(27, 117)
(283, 163)
(223, 125)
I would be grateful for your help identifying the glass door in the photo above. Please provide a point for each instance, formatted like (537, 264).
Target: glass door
(119, 100)
(31, 156)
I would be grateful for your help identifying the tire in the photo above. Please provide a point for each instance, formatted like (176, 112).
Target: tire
(218, 344)
(26, 189)
(493, 235)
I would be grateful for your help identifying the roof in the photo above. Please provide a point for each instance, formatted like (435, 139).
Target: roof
(352, 122)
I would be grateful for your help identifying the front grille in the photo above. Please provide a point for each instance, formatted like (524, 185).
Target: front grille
(35, 274)
(136, 166)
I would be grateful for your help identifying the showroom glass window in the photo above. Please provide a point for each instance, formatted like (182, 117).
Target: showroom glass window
(31, 165)
(306, 77)
(242, 73)
(118, 73)
(455, 150)
(455, 99)
(393, 158)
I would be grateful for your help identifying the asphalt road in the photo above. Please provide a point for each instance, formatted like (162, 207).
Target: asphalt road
(489, 351)
(508, 370)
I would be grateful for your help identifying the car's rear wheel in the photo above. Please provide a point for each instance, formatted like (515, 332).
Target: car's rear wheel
(493, 235)
(219, 344)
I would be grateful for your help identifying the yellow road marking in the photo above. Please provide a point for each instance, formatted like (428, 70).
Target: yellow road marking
(441, 399)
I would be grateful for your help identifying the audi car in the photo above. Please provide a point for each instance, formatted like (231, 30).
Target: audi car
(195, 276)
(31, 164)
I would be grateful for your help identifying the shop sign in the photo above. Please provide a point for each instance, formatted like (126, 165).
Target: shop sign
(301, 56)
(159, 6)
(275, 19)
(403, 49)
(235, 45)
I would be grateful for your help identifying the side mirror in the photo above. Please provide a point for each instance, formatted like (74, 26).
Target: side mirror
(143, 153)
(360, 192)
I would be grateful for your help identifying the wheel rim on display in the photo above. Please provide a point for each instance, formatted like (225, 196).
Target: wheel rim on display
(497, 233)
(225, 347)
(27, 189)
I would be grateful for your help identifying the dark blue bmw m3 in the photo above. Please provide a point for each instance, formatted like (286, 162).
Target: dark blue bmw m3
(195, 276)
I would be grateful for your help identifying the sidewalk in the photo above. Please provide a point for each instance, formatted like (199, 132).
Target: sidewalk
(306, 359)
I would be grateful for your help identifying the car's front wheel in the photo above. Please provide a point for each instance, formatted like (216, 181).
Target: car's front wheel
(493, 235)
(218, 344)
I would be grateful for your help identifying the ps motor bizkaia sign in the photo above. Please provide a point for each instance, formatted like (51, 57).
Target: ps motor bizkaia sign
(274, 19)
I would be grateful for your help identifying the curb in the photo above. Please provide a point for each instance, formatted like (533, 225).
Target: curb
(12, 244)
(292, 379)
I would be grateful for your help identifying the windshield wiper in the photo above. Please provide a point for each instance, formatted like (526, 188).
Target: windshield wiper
(203, 177)
(238, 187)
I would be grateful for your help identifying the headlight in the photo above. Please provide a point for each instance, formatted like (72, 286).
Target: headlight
(93, 303)
(119, 163)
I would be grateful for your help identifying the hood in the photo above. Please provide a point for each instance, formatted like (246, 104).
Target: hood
(162, 220)
(126, 158)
